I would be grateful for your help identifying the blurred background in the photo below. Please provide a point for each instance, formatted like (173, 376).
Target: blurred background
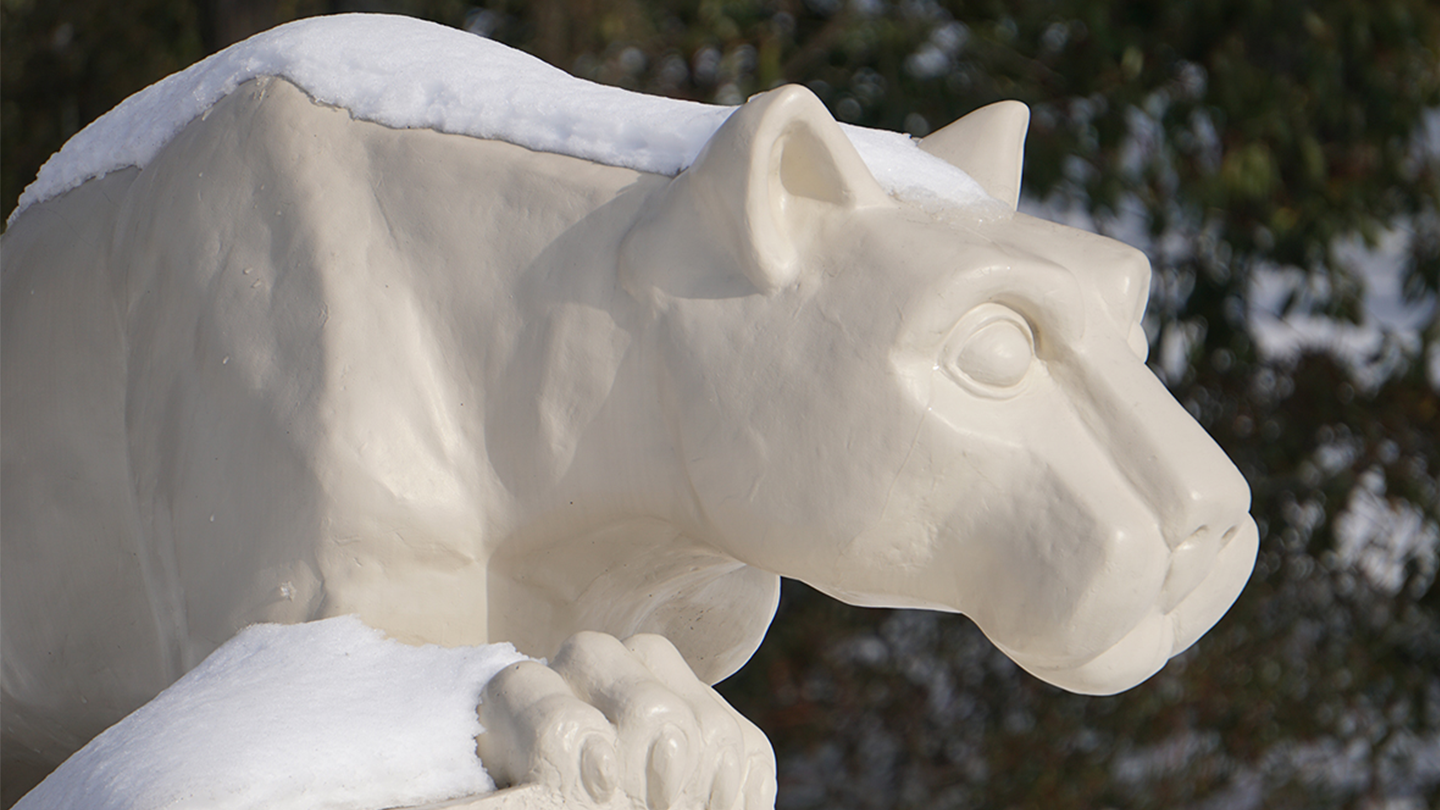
(1279, 161)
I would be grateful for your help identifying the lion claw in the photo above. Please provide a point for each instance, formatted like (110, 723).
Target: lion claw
(623, 726)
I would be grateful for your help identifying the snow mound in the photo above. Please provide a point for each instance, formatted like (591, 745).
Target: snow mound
(408, 73)
(328, 714)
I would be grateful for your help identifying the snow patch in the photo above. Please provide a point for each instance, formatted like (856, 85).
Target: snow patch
(1380, 537)
(1389, 334)
(325, 714)
(407, 73)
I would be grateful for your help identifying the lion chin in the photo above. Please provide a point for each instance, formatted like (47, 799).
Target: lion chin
(1160, 635)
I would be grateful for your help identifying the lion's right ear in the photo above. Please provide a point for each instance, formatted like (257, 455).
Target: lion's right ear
(743, 214)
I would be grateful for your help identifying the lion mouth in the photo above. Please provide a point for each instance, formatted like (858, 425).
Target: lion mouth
(1200, 587)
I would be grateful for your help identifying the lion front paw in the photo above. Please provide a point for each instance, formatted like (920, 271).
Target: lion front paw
(611, 724)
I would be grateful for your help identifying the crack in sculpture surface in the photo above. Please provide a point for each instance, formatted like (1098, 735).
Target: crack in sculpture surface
(471, 392)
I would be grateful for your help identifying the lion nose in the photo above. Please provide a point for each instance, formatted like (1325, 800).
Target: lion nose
(1197, 494)
(1191, 562)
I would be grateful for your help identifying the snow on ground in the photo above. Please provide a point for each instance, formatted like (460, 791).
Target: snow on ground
(408, 73)
(328, 714)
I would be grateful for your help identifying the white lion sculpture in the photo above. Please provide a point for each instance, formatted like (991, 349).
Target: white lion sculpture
(454, 345)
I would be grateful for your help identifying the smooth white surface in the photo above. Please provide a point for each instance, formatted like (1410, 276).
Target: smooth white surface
(303, 365)
(408, 73)
(327, 714)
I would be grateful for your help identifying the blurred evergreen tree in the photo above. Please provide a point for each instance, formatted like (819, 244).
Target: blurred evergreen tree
(1238, 142)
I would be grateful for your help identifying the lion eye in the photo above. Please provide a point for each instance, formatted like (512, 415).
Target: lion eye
(990, 350)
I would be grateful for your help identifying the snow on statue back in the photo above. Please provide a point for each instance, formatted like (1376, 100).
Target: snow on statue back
(302, 365)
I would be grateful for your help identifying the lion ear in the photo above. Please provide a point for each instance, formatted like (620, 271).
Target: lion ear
(780, 162)
(756, 194)
(989, 145)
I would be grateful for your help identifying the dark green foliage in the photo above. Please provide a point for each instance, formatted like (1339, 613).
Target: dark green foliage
(1227, 138)
(63, 64)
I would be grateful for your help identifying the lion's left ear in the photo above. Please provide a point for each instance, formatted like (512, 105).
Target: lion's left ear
(989, 145)
(758, 191)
